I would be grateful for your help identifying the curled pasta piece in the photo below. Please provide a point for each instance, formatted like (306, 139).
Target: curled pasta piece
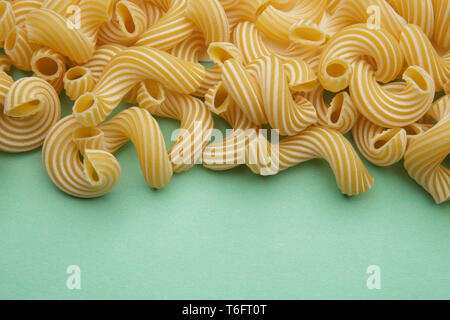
(101, 57)
(49, 29)
(126, 70)
(152, 13)
(210, 17)
(58, 6)
(441, 18)
(352, 177)
(18, 48)
(300, 75)
(426, 152)
(21, 9)
(350, 12)
(419, 51)
(280, 108)
(93, 177)
(141, 128)
(276, 23)
(172, 28)
(418, 12)
(249, 41)
(395, 104)
(196, 122)
(31, 108)
(246, 10)
(128, 24)
(5, 63)
(352, 43)
(50, 66)
(307, 33)
(7, 19)
(382, 147)
(77, 81)
(94, 13)
(340, 115)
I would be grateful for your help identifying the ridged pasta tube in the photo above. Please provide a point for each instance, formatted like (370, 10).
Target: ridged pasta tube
(50, 66)
(380, 146)
(392, 105)
(101, 57)
(441, 28)
(22, 8)
(172, 28)
(18, 48)
(78, 81)
(5, 63)
(349, 45)
(7, 19)
(93, 177)
(426, 152)
(128, 23)
(49, 29)
(141, 128)
(58, 6)
(419, 51)
(94, 13)
(31, 107)
(340, 115)
(126, 70)
(210, 17)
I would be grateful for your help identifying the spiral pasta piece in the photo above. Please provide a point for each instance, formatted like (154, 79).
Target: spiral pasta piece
(152, 13)
(210, 17)
(141, 128)
(93, 177)
(101, 57)
(18, 48)
(49, 29)
(50, 66)
(7, 19)
(276, 23)
(172, 28)
(426, 152)
(418, 12)
(340, 115)
(126, 70)
(301, 77)
(395, 104)
(352, 43)
(380, 146)
(249, 41)
(21, 9)
(30, 108)
(58, 6)
(419, 51)
(5, 63)
(78, 81)
(307, 33)
(128, 24)
(350, 12)
(441, 18)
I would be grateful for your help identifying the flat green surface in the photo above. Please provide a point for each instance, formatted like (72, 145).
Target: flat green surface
(229, 235)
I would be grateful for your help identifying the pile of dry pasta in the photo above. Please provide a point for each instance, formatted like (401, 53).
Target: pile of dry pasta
(274, 59)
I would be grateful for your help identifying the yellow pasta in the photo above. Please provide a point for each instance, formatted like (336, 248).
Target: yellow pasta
(245, 10)
(126, 70)
(210, 17)
(441, 28)
(50, 66)
(152, 13)
(352, 43)
(172, 28)
(7, 19)
(426, 152)
(5, 63)
(49, 29)
(18, 48)
(418, 12)
(307, 33)
(77, 81)
(340, 115)
(93, 13)
(129, 22)
(419, 51)
(101, 57)
(23, 7)
(249, 41)
(392, 105)
(30, 108)
(301, 77)
(382, 147)
(95, 176)
(59, 6)
(350, 12)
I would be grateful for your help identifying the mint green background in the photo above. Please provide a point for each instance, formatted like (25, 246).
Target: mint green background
(228, 235)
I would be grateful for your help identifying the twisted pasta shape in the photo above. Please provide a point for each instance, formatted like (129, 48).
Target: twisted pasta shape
(5, 63)
(50, 66)
(419, 51)
(7, 19)
(441, 18)
(395, 104)
(31, 107)
(352, 43)
(101, 57)
(126, 70)
(18, 48)
(95, 176)
(425, 153)
(78, 81)
(21, 9)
